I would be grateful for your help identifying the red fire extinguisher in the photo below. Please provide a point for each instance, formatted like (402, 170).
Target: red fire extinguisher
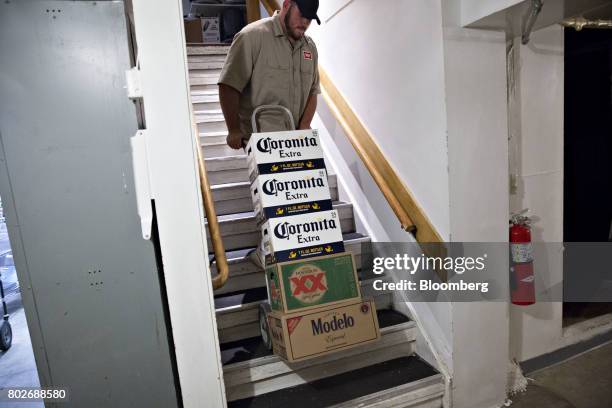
(522, 279)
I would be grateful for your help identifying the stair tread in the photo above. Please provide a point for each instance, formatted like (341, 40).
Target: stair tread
(251, 214)
(240, 254)
(252, 348)
(216, 112)
(344, 387)
(253, 295)
(199, 93)
(207, 49)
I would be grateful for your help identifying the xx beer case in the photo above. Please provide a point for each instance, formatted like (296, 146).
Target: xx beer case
(303, 335)
(280, 195)
(281, 152)
(302, 236)
(302, 285)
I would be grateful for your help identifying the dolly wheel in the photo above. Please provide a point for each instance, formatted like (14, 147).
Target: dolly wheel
(264, 328)
(6, 336)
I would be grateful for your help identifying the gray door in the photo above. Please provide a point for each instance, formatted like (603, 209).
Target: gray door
(92, 293)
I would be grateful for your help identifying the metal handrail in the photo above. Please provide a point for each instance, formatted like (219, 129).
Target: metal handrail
(578, 23)
(211, 217)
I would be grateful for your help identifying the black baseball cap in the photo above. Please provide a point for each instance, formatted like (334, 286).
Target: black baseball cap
(309, 9)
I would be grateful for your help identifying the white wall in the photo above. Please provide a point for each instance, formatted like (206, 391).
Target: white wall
(478, 184)
(472, 10)
(388, 62)
(537, 145)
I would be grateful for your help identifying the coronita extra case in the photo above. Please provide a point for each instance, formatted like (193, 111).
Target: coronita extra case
(302, 236)
(284, 152)
(295, 193)
(312, 283)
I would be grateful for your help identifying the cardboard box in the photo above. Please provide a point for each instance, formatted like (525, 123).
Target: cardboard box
(281, 195)
(304, 335)
(193, 30)
(304, 285)
(211, 32)
(280, 152)
(302, 236)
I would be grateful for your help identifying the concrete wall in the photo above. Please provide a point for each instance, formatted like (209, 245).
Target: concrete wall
(537, 161)
(475, 62)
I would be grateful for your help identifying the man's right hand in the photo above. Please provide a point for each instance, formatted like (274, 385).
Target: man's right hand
(236, 139)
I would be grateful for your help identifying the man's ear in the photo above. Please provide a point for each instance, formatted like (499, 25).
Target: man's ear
(286, 4)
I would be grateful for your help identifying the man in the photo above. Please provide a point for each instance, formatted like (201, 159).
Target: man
(271, 62)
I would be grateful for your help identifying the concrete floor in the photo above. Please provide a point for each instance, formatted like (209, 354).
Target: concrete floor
(584, 381)
(17, 365)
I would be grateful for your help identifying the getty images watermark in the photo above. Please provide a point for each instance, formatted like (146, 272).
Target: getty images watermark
(411, 265)
(484, 271)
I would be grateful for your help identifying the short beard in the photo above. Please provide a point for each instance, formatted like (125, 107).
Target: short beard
(289, 32)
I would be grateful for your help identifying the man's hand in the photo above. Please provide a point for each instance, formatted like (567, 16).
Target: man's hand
(236, 139)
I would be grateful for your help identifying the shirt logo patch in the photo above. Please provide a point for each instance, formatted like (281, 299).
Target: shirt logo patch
(307, 55)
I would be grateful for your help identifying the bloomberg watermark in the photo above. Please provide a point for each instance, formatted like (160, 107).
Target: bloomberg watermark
(486, 272)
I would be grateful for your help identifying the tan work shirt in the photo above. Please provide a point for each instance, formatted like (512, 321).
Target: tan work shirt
(267, 70)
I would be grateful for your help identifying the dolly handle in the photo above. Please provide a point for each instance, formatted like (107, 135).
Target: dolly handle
(271, 107)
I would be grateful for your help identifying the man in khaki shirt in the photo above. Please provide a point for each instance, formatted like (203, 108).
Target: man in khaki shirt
(271, 62)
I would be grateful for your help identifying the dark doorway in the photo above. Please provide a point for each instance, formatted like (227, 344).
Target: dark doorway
(588, 155)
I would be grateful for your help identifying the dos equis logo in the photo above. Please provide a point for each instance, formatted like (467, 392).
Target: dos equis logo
(269, 145)
(308, 284)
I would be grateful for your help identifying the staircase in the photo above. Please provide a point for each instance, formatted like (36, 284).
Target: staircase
(384, 374)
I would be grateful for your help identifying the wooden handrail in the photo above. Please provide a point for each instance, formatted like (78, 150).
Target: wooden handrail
(410, 214)
(253, 13)
(211, 217)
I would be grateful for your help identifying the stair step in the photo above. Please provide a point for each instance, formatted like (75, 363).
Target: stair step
(237, 314)
(205, 73)
(196, 65)
(207, 115)
(218, 149)
(211, 80)
(226, 170)
(244, 275)
(404, 381)
(251, 370)
(203, 88)
(236, 197)
(210, 123)
(214, 138)
(213, 93)
(207, 106)
(205, 102)
(251, 352)
(206, 58)
(207, 50)
(240, 231)
(204, 97)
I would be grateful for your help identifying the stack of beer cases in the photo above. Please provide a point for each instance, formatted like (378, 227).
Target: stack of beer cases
(312, 283)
